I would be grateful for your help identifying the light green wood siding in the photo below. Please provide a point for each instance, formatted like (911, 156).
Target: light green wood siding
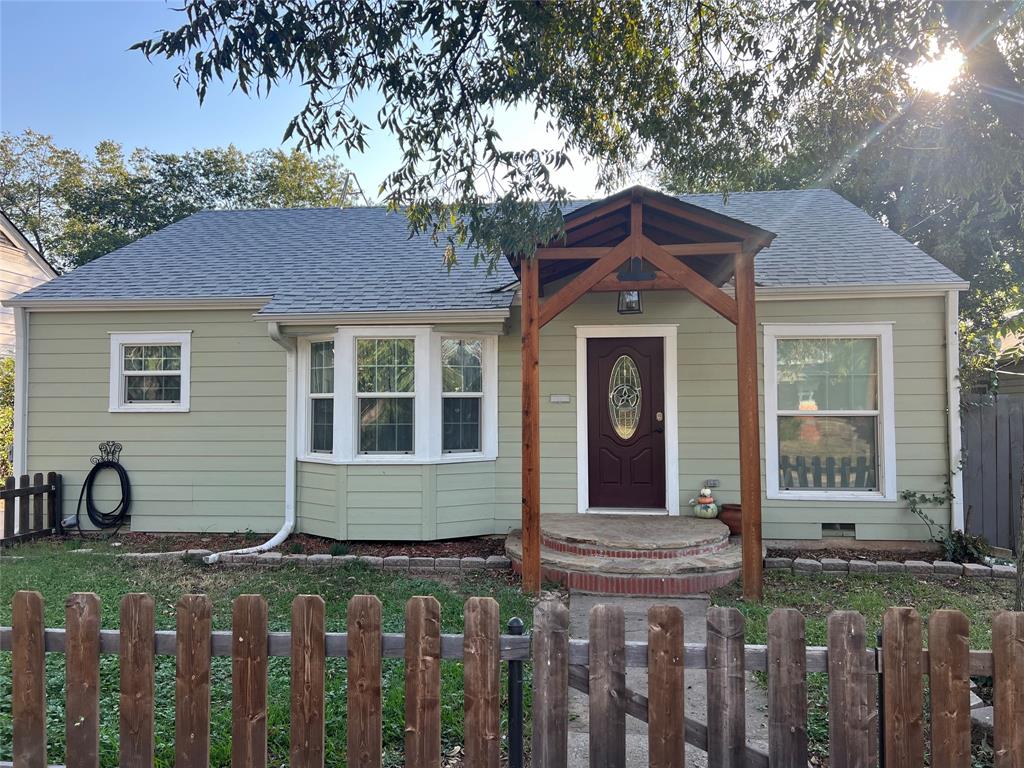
(707, 406)
(219, 467)
(400, 502)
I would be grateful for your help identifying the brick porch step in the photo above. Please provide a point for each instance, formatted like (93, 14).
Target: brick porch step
(634, 575)
(634, 536)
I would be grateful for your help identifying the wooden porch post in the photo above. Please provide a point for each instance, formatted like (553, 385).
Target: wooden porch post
(530, 282)
(749, 431)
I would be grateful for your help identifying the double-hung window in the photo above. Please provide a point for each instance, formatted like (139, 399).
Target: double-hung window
(462, 395)
(150, 371)
(321, 396)
(828, 401)
(386, 392)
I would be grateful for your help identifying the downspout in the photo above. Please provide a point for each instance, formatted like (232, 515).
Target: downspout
(288, 343)
(21, 331)
(956, 475)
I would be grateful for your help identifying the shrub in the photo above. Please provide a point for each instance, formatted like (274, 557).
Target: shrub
(339, 548)
(6, 415)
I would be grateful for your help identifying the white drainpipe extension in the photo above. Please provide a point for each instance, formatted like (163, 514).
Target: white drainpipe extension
(274, 332)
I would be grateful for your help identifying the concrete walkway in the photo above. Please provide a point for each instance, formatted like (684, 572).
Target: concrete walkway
(635, 609)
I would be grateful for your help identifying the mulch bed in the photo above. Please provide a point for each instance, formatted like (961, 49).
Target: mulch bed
(301, 543)
(849, 553)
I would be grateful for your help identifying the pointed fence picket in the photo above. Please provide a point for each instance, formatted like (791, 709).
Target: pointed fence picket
(596, 666)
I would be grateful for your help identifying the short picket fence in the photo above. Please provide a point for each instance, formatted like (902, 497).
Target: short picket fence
(596, 665)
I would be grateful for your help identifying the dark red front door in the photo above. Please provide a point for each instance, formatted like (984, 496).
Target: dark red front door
(626, 424)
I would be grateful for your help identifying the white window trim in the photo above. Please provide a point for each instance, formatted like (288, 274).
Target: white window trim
(886, 411)
(668, 334)
(427, 397)
(120, 339)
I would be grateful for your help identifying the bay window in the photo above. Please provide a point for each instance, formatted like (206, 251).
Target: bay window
(398, 395)
(828, 401)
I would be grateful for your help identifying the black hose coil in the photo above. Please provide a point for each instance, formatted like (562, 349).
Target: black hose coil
(114, 518)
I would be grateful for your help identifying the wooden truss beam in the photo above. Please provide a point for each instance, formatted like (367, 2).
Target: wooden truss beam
(689, 280)
(584, 281)
(583, 252)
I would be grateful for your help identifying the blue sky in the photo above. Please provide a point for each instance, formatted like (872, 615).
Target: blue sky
(65, 70)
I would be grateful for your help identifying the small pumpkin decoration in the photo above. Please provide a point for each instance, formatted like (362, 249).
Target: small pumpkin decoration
(704, 505)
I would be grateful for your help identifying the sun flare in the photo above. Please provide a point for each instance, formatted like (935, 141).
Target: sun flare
(937, 75)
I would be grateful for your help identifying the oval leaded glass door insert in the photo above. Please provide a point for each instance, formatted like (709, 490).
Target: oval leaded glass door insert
(624, 397)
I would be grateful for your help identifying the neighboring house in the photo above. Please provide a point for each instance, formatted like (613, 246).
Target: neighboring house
(21, 268)
(1010, 369)
(321, 361)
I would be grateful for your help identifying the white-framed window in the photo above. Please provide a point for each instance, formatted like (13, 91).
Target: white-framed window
(320, 394)
(150, 372)
(405, 395)
(462, 395)
(829, 413)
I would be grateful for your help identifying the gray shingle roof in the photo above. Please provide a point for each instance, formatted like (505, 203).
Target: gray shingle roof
(328, 260)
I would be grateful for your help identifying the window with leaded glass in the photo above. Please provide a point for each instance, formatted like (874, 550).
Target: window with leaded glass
(462, 392)
(385, 394)
(321, 396)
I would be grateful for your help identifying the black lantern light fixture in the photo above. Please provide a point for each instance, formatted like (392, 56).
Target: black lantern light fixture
(630, 303)
(633, 271)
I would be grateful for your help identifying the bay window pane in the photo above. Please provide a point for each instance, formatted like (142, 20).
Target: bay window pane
(460, 424)
(835, 374)
(321, 367)
(385, 365)
(838, 452)
(322, 425)
(152, 389)
(461, 365)
(386, 425)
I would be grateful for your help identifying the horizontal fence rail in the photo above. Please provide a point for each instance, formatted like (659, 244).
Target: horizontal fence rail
(896, 671)
(512, 648)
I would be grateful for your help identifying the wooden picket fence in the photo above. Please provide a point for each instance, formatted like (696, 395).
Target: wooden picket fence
(596, 665)
(31, 507)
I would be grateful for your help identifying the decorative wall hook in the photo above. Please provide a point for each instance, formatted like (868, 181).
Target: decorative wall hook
(109, 451)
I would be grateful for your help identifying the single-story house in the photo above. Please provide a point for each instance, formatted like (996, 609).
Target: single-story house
(21, 268)
(321, 363)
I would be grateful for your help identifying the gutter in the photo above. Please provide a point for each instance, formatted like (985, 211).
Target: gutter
(392, 318)
(288, 525)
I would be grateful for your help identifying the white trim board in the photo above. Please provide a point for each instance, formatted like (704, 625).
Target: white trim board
(669, 333)
(886, 411)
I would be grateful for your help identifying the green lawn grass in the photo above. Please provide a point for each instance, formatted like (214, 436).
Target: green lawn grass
(55, 572)
(816, 597)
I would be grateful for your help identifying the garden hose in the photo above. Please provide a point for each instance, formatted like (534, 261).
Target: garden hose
(102, 520)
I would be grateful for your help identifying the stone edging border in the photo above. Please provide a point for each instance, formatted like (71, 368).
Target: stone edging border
(392, 563)
(942, 569)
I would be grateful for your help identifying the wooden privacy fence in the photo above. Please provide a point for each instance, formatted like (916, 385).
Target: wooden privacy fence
(596, 666)
(993, 440)
(31, 508)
